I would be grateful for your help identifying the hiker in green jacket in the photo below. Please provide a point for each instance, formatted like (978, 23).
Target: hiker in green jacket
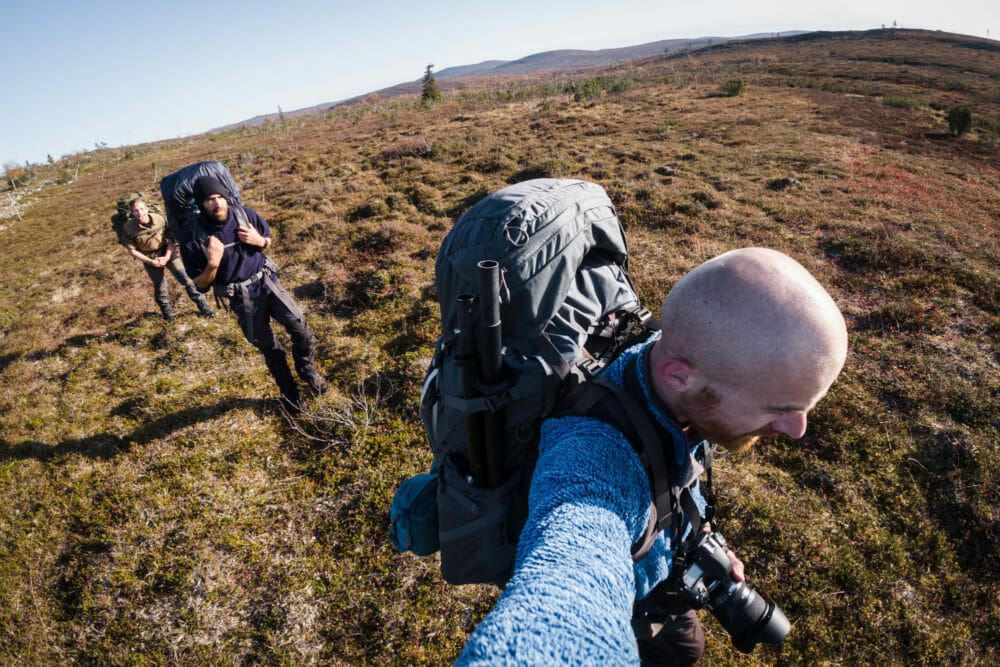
(146, 238)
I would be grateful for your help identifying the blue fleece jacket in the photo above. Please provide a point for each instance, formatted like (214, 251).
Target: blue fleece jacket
(570, 599)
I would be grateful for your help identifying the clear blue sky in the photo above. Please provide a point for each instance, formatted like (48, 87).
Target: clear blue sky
(75, 73)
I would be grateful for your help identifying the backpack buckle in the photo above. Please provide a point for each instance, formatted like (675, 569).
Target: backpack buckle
(496, 402)
(590, 366)
(642, 314)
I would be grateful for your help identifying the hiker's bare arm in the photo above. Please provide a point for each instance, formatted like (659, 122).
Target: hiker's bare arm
(213, 253)
(252, 237)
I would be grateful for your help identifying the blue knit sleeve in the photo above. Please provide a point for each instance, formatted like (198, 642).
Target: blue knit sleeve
(570, 599)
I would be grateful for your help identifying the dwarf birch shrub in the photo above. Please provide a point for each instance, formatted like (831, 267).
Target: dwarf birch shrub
(733, 87)
(960, 119)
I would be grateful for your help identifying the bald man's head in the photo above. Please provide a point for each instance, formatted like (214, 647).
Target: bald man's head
(751, 319)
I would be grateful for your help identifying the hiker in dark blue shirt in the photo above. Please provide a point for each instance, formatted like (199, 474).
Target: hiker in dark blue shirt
(232, 261)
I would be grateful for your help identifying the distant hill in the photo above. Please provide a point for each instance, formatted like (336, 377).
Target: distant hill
(546, 61)
(479, 69)
(576, 58)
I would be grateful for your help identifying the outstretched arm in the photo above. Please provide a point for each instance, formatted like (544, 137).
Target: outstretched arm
(570, 599)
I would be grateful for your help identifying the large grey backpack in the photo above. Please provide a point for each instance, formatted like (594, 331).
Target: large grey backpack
(535, 298)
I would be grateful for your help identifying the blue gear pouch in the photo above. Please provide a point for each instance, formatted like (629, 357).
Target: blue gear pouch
(413, 516)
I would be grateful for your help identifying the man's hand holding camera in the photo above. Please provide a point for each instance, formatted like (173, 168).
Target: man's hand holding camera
(707, 574)
(737, 566)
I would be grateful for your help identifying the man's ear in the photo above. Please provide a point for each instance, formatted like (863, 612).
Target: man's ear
(676, 374)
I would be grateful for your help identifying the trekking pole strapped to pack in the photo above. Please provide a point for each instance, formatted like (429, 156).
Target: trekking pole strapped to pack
(467, 359)
(491, 365)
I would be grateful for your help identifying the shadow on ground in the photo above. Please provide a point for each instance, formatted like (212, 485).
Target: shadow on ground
(107, 445)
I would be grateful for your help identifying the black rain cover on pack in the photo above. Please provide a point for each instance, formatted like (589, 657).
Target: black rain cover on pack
(177, 190)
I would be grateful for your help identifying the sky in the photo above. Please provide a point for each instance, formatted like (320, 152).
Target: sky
(79, 74)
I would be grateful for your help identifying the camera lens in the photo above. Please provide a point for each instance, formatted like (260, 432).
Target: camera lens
(748, 617)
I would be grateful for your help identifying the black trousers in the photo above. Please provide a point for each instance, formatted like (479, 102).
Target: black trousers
(274, 302)
(667, 631)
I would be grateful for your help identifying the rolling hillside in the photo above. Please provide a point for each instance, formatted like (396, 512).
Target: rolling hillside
(156, 508)
(548, 64)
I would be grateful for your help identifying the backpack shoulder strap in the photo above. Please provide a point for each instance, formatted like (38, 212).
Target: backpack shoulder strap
(685, 468)
(605, 401)
(241, 216)
(669, 481)
(198, 229)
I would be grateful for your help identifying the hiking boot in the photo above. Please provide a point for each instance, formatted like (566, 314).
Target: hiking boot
(292, 403)
(205, 309)
(168, 314)
(317, 383)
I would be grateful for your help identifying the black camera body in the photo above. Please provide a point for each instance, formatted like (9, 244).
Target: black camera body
(703, 577)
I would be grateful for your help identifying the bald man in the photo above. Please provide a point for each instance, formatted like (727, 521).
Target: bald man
(749, 343)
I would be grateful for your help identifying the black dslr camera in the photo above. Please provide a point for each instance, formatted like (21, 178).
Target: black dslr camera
(704, 578)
